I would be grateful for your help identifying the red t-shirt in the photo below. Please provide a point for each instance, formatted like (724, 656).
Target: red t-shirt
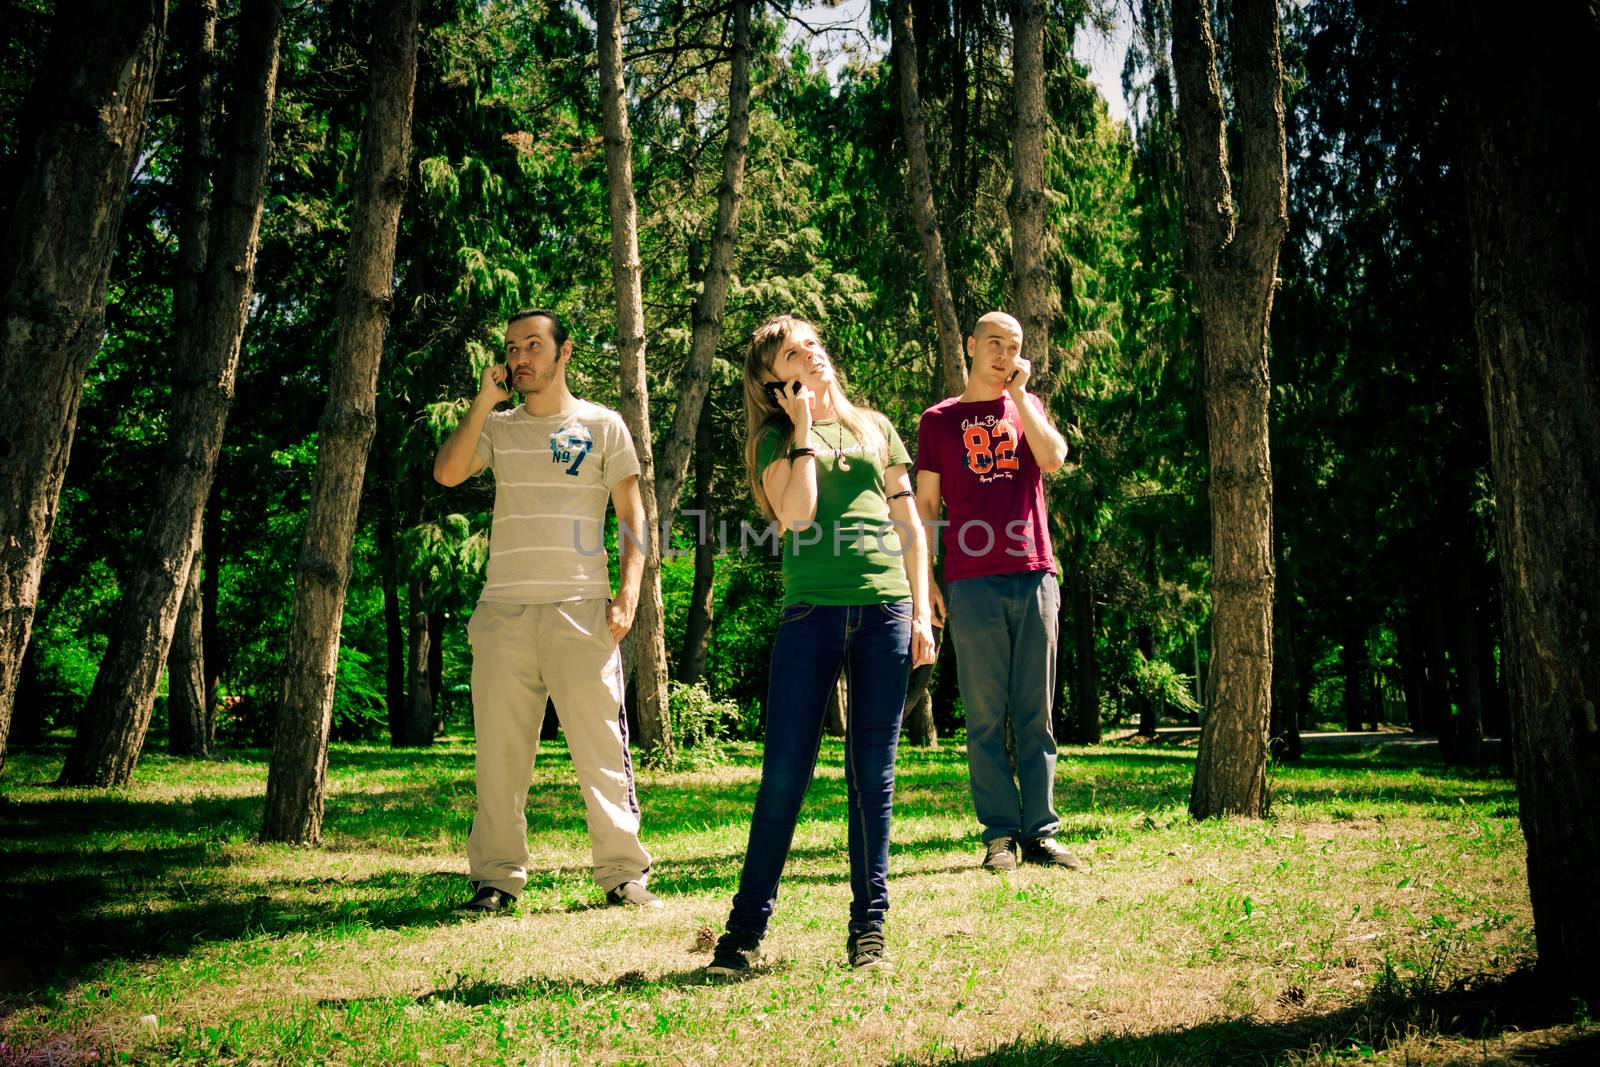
(992, 487)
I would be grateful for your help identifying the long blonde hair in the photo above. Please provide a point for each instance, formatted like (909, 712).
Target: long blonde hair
(762, 414)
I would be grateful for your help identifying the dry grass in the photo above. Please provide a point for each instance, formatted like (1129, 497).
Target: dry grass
(1380, 915)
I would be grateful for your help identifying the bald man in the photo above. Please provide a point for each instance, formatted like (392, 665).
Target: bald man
(981, 458)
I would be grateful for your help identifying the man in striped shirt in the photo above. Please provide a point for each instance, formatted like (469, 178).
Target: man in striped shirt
(546, 625)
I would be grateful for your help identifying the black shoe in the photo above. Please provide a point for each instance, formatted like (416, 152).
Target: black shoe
(866, 951)
(735, 955)
(1001, 855)
(1049, 852)
(633, 895)
(487, 901)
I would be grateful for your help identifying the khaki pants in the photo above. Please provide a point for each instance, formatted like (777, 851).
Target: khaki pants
(522, 653)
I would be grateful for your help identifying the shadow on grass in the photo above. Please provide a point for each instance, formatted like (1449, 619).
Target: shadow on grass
(60, 929)
(1390, 1016)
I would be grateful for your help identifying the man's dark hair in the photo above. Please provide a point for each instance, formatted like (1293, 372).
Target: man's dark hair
(558, 329)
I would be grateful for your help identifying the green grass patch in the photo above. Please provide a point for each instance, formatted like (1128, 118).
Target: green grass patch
(147, 925)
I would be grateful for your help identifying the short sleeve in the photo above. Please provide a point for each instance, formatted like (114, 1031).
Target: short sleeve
(898, 456)
(621, 461)
(927, 446)
(485, 446)
(768, 447)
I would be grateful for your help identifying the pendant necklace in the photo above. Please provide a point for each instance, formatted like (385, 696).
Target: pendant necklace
(839, 461)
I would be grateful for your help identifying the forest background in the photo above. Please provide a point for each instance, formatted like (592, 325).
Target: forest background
(1387, 608)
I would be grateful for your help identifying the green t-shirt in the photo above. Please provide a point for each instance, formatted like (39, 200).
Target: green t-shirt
(853, 554)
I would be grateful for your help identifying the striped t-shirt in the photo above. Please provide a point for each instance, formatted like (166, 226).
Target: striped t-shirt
(553, 476)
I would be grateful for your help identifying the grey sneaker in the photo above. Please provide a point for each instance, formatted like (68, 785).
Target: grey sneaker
(866, 951)
(1049, 852)
(487, 901)
(1001, 855)
(735, 955)
(633, 895)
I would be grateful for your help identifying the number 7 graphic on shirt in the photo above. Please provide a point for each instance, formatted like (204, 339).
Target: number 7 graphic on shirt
(994, 446)
(582, 449)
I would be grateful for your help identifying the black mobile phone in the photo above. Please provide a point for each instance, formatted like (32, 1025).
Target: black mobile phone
(776, 390)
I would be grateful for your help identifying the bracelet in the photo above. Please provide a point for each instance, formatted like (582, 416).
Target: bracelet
(802, 450)
(901, 493)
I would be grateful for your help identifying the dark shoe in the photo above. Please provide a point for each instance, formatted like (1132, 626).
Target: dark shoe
(866, 951)
(735, 955)
(1001, 855)
(1049, 852)
(633, 895)
(487, 901)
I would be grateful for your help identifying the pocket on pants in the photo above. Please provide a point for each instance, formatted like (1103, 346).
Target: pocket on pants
(795, 612)
(488, 615)
(898, 610)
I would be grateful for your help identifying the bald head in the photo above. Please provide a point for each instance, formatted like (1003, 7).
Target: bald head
(997, 321)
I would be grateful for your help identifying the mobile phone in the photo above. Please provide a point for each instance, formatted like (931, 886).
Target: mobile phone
(776, 390)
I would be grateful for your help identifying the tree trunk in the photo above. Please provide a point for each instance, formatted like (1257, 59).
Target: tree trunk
(1412, 670)
(297, 775)
(188, 713)
(1086, 687)
(917, 715)
(1461, 638)
(87, 116)
(919, 186)
(702, 601)
(1286, 688)
(1233, 253)
(1353, 664)
(833, 719)
(1149, 705)
(649, 647)
(210, 584)
(945, 690)
(436, 620)
(1436, 712)
(27, 725)
(1027, 204)
(694, 380)
(1533, 223)
(1061, 710)
(112, 728)
(394, 672)
(419, 708)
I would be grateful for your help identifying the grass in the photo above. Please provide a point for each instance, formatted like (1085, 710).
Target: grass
(1380, 915)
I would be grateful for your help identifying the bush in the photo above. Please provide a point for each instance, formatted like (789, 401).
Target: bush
(699, 726)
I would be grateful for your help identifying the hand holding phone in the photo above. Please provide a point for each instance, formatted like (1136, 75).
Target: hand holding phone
(1018, 379)
(496, 382)
(776, 390)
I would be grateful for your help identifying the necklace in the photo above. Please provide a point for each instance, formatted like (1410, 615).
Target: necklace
(839, 461)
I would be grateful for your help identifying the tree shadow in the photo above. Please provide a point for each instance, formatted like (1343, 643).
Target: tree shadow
(60, 929)
(1479, 1009)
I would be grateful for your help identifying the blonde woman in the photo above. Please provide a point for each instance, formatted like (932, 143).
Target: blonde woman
(835, 479)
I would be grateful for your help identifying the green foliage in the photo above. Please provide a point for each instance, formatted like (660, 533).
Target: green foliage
(1159, 680)
(358, 702)
(699, 725)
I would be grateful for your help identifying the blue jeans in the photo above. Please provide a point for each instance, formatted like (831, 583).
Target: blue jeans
(1004, 629)
(871, 643)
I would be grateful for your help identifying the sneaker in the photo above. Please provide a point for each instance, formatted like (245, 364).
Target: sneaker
(866, 951)
(633, 895)
(735, 955)
(487, 901)
(1049, 852)
(1001, 855)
